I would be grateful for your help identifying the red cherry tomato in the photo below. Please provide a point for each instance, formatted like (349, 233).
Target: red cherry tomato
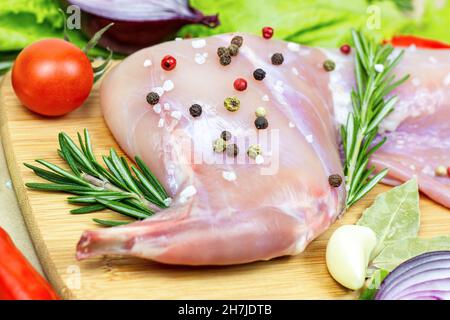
(52, 77)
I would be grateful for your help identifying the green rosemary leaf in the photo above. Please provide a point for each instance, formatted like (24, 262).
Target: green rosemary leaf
(110, 223)
(138, 205)
(114, 172)
(63, 172)
(79, 155)
(123, 171)
(89, 151)
(124, 209)
(369, 110)
(369, 185)
(88, 209)
(67, 156)
(147, 185)
(81, 143)
(48, 175)
(151, 177)
(114, 187)
(56, 187)
(93, 199)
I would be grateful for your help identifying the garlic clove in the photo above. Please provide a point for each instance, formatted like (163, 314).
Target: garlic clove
(348, 253)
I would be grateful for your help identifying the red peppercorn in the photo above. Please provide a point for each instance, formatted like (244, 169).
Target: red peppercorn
(345, 49)
(448, 171)
(168, 63)
(240, 84)
(267, 32)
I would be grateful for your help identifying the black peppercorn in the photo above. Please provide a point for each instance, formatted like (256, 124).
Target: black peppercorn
(335, 180)
(232, 150)
(261, 123)
(152, 98)
(329, 65)
(225, 59)
(233, 50)
(277, 59)
(225, 135)
(237, 40)
(195, 110)
(259, 74)
(221, 51)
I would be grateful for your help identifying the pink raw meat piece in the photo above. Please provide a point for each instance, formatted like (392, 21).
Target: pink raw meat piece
(225, 210)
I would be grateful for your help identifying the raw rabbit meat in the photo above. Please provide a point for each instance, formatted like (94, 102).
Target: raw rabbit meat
(229, 211)
(418, 130)
(225, 210)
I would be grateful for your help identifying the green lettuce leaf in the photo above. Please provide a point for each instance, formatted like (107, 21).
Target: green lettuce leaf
(324, 23)
(23, 22)
(394, 215)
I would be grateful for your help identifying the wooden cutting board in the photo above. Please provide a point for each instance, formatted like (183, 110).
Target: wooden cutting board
(55, 232)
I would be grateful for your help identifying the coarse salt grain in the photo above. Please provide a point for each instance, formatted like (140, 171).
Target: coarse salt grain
(176, 114)
(198, 43)
(161, 123)
(157, 108)
(447, 80)
(166, 106)
(295, 71)
(168, 85)
(295, 47)
(200, 58)
(229, 175)
(187, 193)
(379, 68)
(279, 86)
(147, 63)
(259, 159)
(159, 91)
(8, 184)
(416, 81)
(265, 97)
(291, 125)
(310, 138)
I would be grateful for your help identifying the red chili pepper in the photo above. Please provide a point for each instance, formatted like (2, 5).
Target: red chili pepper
(18, 279)
(267, 32)
(419, 42)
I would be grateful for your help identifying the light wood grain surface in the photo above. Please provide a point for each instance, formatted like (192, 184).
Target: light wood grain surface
(55, 232)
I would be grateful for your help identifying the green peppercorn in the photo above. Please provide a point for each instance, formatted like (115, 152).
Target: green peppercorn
(261, 123)
(232, 104)
(221, 51)
(233, 50)
(335, 180)
(152, 98)
(225, 59)
(195, 110)
(237, 40)
(277, 59)
(329, 65)
(254, 150)
(219, 145)
(232, 150)
(225, 135)
(259, 74)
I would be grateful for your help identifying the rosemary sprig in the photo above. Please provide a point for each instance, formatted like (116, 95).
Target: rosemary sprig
(374, 83)
(97, 188)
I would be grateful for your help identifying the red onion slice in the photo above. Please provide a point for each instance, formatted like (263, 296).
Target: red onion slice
(426, 276)
(138, 23)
